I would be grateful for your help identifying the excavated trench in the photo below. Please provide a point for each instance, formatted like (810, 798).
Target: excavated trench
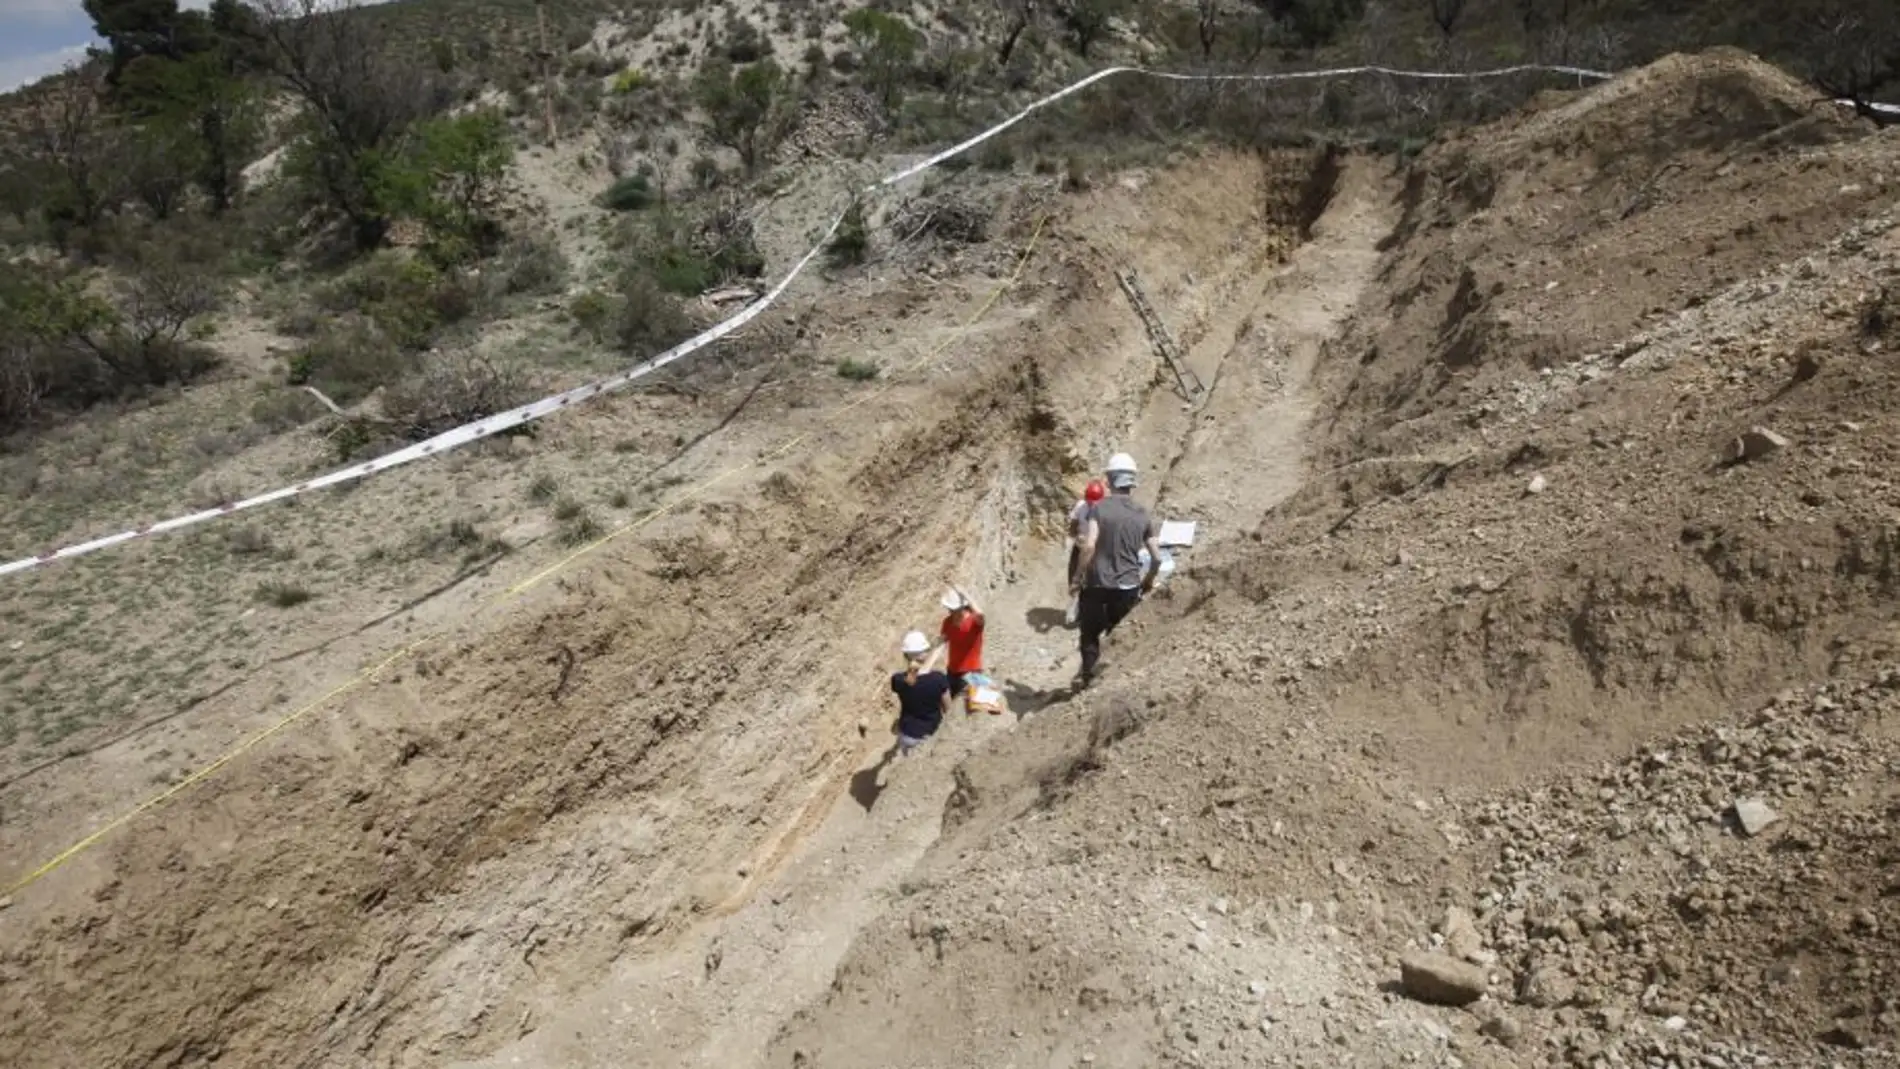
(666, 748)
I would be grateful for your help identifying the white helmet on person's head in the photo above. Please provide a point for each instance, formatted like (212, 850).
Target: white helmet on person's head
(1120, 471)
(952, 600)
(915, 644)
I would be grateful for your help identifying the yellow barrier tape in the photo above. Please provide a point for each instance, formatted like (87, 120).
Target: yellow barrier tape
(512, 592)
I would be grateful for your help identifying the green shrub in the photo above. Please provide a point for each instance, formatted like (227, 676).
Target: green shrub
(857, 370)
(532, 263)
(283, 595)
(407, 298)
(631, 80)
(282, 410)
(349, 360)
(631, 194)
(651, 318)
(594, 313)
(580, 529)
(681, 270)
(852, 241)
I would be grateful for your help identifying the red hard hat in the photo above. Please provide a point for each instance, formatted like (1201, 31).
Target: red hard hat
(1095, 492)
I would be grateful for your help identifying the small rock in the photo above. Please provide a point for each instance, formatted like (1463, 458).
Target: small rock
(1440, 979)
(1216, 860)
(1538, 484)
(1461, 934)
(1758, 442)
(1676, 1024)
(1754, 816)
(1547, 988)
(1258, 987)
(1503, 1029)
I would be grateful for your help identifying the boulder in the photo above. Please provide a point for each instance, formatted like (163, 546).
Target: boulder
(1440, 979)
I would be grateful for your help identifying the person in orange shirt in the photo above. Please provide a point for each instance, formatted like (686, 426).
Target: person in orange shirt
(962, 631)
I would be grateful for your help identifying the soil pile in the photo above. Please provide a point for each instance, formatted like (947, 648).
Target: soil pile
(1599, 471)
(1553, 236)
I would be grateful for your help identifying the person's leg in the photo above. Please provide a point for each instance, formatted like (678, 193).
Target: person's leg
(1092, 620)
(1120, 604)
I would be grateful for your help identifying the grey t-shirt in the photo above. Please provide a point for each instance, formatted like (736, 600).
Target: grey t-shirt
(1122, 528)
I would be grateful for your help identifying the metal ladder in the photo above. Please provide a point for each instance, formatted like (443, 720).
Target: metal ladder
(1184, 376)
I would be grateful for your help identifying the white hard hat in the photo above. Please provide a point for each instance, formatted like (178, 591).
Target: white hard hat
(1120, 471)
(952, 600)
(915, 642)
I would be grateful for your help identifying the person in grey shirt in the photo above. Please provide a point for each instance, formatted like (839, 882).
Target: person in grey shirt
(1109, 579)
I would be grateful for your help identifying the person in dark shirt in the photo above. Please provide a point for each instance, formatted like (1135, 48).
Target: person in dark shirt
(923, 695)
(1110, 579)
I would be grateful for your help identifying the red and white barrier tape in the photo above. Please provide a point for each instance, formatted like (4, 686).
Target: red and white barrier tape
(471, 432)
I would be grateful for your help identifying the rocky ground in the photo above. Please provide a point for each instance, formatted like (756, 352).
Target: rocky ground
(1523, 701)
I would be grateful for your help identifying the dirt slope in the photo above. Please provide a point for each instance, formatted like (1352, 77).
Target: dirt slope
(574, 794)
(1518, 645)
(1487, 634)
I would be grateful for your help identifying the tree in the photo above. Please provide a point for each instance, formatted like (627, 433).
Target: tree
(1017, 17)
(161, 159)
(1087, 21)
(1207, 22)
(66, 141)
(1313, 23)
(450, 177)
(207, 96)
(137, 28)
(744, 106)
(357, 98)
(1849, 49)
(1446, 13)
(888, 46)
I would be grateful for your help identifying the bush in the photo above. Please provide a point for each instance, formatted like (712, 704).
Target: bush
(631, 194)
(684, 271)
(631, 80)
(852, 242)
(580, 529)
(61, 344)
(283, 410)
(453, 389)
(349, 360)
(744, 43)
(593, 312)
(283, 595)
(407, 298)
(857, 370)
(532, 263)
(651, 319)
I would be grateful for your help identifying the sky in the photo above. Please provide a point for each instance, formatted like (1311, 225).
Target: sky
(39, 37)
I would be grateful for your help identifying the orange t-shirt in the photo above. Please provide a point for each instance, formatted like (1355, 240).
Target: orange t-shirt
(964, 632)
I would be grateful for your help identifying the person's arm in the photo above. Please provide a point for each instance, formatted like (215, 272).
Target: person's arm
(943, 702)
(970, 604)
(1091, 530)
(1154, 561)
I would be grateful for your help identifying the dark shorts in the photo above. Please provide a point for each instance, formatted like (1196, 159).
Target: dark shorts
(960, 682)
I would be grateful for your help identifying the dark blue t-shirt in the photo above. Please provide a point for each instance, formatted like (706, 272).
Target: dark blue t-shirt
(920, 711)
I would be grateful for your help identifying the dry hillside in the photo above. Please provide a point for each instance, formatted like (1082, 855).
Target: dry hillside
(1533, 657)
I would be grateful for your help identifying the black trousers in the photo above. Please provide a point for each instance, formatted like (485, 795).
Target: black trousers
(1101, 609)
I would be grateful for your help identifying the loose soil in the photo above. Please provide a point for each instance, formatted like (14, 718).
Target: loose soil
(1486, 633)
